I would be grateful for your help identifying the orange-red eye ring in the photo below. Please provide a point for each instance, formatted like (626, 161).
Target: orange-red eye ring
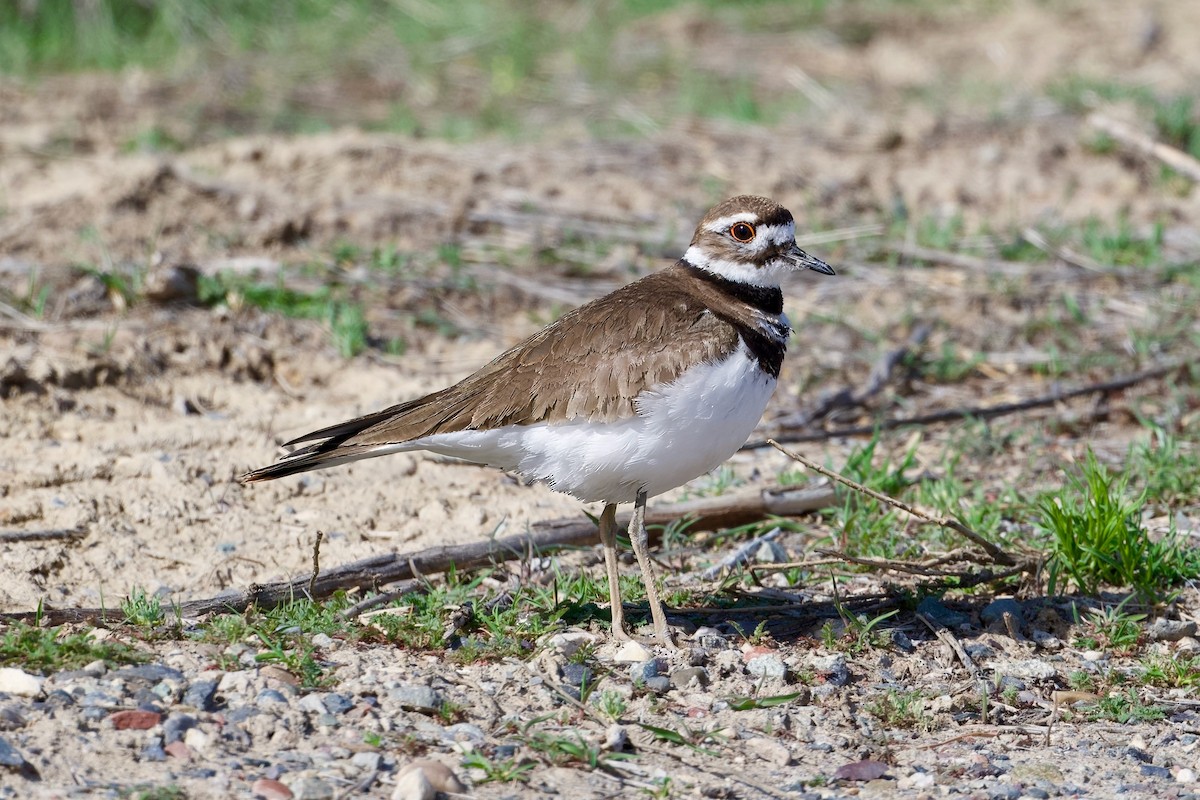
(742, 232)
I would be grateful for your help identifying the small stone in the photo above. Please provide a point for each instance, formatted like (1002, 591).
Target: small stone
(196, 740)
(771, 552)
(9, 757)
(267, 789)
(338, 703)
(413, 785)
(710, 638)
(767, 667)
(1030, 669)
(153, 752)
(322, 640)
(769, 750)
(465, 732)
(659, 684)
(312, 703)
(439, 776)
(19, 682)
(200, 695)
(901, 641)
(149, 673)
(415, 697)
(311, 789)
(644, 670)
(176, 726)
(632, 652)
(1037, 792)
(567, 643)
(683, 678)
(178, 750)
(1169, 630)
(917, 780)
(616, 738)
(832, 669)
(938, 612)
(11, 718)
(95, 669)
(134, 720)
(1188, 644)
(1185, 775)
(367, 761)
(1094, 656)
(577, 674)
(268, 698)
(1152, 771)
(995, 610)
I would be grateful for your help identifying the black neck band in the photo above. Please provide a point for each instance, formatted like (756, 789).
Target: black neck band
(768, 300)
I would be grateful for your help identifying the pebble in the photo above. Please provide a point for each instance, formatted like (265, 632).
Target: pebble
(767, 666)
(413, 785)
(1185, 775)
(769, 750)
(567, 643)
(1170, 630)
(660, 684)
(1032, 668)
(134, 720)
(710, 638)
(902, 642)
(201, 694)
(995, 610)
(415, 697)
(267, 789)
(149, 673)
(269, 698)
(311, 789)
(9, 757)
(632, 652)
(578, 674)
(644, 670)
(439, 776)
(176, 726)
(19, 682)
(367, 761)
(312, 703)
(832, 668)
(683, 678)
(1151, 771)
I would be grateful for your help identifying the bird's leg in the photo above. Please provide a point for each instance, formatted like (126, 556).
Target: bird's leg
(641, 548)
(608, 540)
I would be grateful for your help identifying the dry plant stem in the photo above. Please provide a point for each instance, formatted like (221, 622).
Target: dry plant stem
(312, 582)
(43, 535)
(947, 638)
(971, 412)
(1177, 160)
(992, 550)
(376, 571)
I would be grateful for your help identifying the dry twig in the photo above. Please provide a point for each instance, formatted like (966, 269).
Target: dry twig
(998, 555)
(1177, 160)
(970, 412)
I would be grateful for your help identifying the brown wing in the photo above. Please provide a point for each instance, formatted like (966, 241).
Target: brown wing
(590, 364)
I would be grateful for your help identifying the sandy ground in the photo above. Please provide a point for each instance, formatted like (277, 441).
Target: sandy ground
(130, 423)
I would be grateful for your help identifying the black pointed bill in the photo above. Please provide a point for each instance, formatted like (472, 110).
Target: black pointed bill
(802, 259)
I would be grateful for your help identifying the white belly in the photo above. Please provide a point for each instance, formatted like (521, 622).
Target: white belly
(680, 432)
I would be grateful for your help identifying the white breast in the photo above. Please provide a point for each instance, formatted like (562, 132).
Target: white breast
(681, 431)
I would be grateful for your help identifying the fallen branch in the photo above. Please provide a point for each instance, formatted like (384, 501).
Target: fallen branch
(970, 412)
(998, 555)
(372, 573)
(42, 536)
(1177, 160)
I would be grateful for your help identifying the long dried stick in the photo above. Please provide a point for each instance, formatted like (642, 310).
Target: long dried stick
(970, 412)
(997, 554)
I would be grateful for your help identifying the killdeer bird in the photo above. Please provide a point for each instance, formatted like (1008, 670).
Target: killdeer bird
(621, 399)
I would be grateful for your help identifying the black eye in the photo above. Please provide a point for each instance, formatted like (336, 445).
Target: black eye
(742, 231)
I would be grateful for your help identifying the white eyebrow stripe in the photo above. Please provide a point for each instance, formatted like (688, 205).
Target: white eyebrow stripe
(721, 224)
(778, 234)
